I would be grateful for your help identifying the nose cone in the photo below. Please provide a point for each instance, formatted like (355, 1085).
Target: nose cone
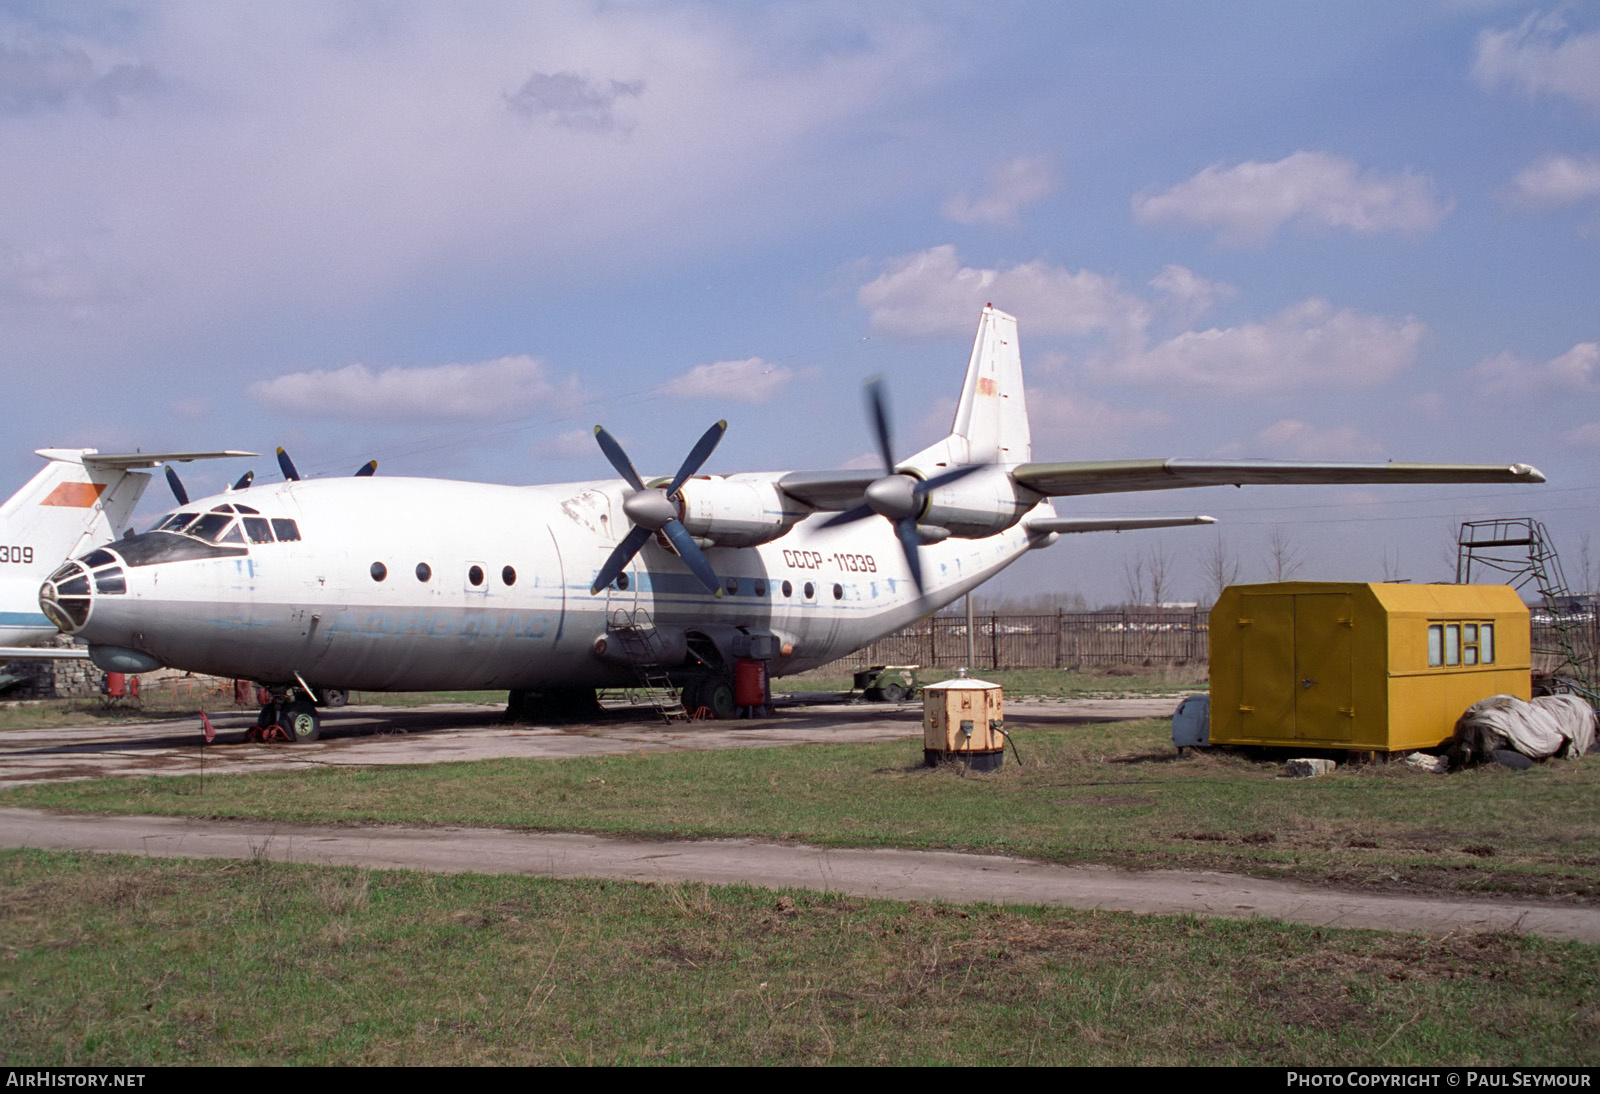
(65, 598)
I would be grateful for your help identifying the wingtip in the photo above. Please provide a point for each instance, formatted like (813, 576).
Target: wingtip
(1527, 472)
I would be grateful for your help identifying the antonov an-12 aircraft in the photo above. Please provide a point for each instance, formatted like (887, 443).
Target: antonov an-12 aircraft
(396, 584)
(81, 497)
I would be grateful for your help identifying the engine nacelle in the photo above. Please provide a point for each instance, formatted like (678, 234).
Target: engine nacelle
(981, 504)
(737, 512)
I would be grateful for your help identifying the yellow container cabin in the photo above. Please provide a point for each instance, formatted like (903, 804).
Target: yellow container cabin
(1367, 667)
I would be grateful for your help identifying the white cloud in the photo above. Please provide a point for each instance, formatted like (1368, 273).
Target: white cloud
(1297, 439)
(1246, 204)
(1191, 294)
(1063, 420)
(1554, 181)
(52, 75)
(322, 159)
(1306, 345)
(570, 100)
(486, 390)
(751, 380)
(574, 444)
(930, 294)
(1585, 436)
(1576, 370)
(1010, 187)
(1540, 57)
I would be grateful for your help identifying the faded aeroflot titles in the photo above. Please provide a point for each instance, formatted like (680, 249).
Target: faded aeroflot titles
(411, 584)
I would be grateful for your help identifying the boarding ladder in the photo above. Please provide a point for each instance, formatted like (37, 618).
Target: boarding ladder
(1520, 549)
(635, 632)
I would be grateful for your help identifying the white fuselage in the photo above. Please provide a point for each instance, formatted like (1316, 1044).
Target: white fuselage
(313, 610)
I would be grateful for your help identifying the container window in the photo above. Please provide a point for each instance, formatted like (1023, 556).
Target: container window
(1436, 645)
(1486, 643)
(1452, 643)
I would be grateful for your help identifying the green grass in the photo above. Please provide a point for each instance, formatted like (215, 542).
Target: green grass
(1107, 793)
(126, 963)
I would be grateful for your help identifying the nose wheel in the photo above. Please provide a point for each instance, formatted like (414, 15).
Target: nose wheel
(294, 720)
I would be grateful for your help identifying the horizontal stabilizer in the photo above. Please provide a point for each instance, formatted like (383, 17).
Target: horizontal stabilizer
(129, 461)
(1126, 476)
(1112, 524)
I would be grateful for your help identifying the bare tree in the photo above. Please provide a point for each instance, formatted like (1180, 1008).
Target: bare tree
(1222, 567)
(1587, 579)
(1158, 563)
(1391, 564)
(1283, 557)
(1133, 578)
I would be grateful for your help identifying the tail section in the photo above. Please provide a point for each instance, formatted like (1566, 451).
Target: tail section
(991, 424)
(993, 414)
(72, 504)
(65, 509)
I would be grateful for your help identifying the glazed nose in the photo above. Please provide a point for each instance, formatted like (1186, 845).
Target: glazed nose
(65, 597)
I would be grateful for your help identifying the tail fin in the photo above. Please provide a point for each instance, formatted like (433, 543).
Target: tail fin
(991, 424)
(69, 506)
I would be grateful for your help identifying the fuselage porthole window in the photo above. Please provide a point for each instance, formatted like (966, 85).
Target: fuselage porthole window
(622, 581)
(811, 590)
(761, 587)
(508, 575)
(838, 592)
(788, 589)
(733, 586)
(424, 571)
(379, 571)
(475, 575)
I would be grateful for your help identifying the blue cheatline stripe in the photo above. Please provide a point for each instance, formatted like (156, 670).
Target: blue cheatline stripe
(24, 619)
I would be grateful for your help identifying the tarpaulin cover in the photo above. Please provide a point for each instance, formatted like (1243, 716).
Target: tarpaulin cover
(1551, 725)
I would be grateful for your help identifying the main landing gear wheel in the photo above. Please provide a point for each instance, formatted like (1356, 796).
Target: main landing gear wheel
(299, 719)
(714, 695)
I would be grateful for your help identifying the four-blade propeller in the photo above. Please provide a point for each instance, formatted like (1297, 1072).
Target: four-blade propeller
(285, 464)
(656, 510)
(897, 497)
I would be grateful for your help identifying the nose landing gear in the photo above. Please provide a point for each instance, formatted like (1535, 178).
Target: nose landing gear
(286, 715)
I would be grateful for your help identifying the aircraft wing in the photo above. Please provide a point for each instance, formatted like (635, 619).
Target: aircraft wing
(828, 489)
(1112, 524)
(1126, 476)
(128, 461)
(43, 653)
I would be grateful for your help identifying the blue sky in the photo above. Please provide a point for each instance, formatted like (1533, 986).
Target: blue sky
(455, 237)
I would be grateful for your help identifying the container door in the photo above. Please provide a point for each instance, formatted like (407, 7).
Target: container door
(1266, 663)
(1324, 683)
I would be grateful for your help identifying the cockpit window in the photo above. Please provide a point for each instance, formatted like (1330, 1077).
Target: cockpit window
(232, 535)
(287, 531)
(210, 526)
(176, 522)
(97, 558)
(257, 529)
(245, 509)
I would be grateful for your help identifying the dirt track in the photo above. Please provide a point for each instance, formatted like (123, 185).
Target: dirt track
(901, 875)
